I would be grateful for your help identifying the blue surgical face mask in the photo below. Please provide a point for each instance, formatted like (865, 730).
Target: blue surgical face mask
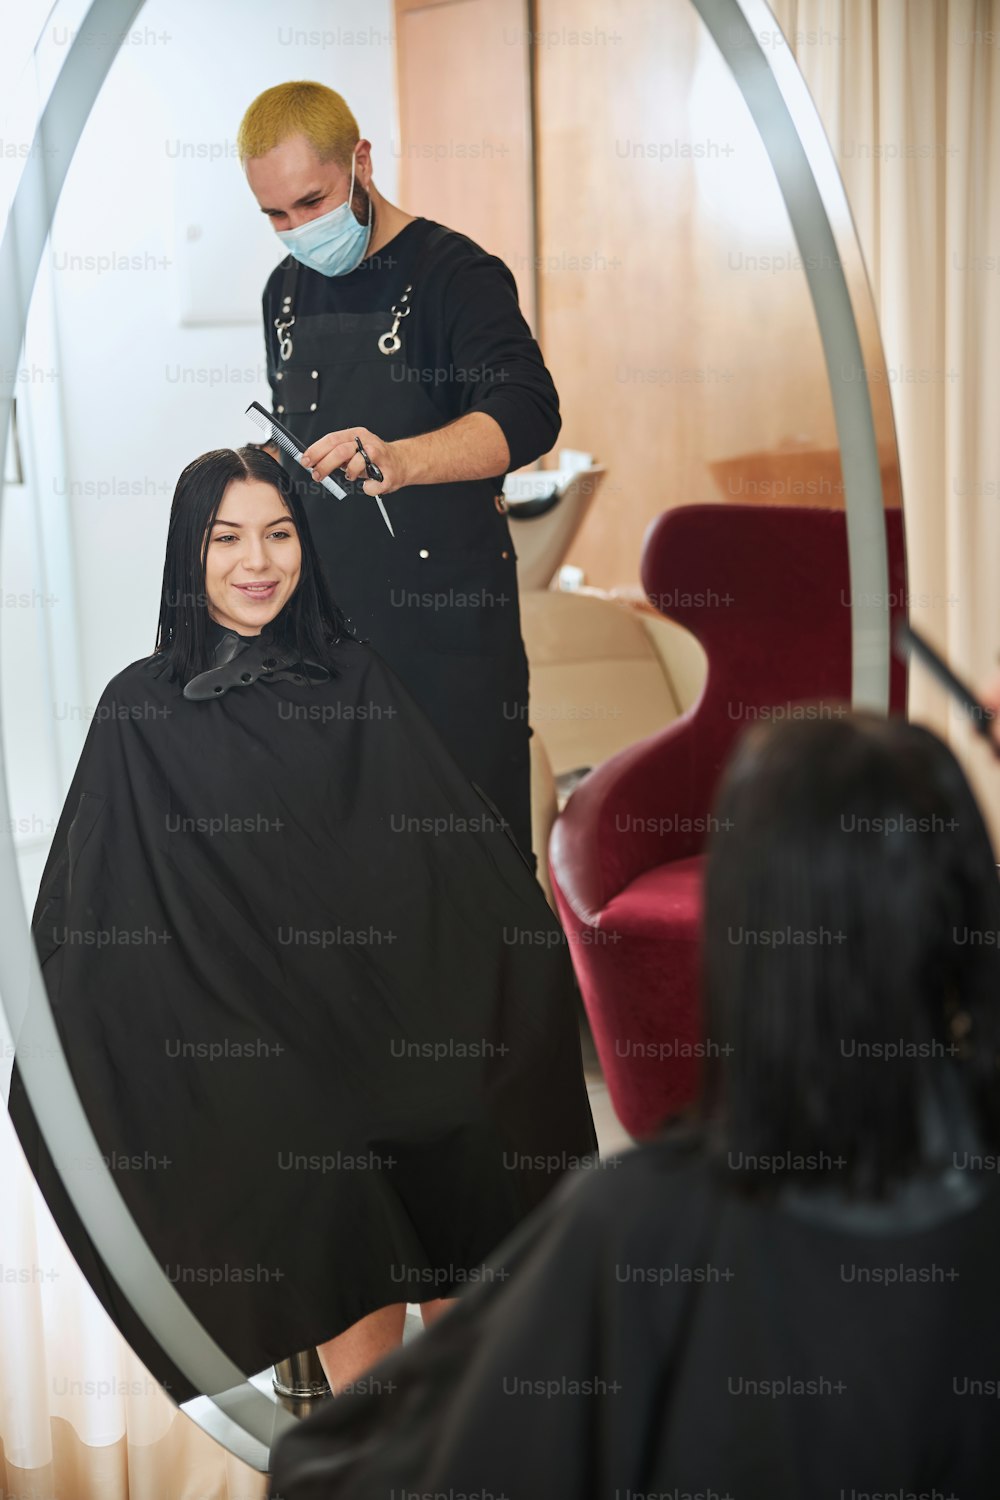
(333, 243)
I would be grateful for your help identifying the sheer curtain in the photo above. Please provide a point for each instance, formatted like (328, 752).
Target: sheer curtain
(910, 98)
(80, 1417)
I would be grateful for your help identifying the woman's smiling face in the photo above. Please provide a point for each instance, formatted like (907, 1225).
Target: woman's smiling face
(253, 558)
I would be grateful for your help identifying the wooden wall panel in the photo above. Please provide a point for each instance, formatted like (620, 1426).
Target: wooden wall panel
(464, 81)
(673, 314)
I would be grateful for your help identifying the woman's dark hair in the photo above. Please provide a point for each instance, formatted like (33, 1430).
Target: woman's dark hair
(310, 620)
(851, 954)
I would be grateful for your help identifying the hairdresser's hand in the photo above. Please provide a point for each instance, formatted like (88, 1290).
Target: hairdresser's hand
(338, 450)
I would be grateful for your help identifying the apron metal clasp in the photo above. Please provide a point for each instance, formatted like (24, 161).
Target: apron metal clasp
(284, 337)
(390, 342)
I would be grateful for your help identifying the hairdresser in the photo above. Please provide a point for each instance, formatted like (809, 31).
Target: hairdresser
(392, 329)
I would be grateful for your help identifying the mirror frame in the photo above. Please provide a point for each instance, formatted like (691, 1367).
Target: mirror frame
(826, 237)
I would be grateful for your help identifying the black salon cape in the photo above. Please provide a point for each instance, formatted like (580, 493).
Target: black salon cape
(649, 1333)
(316, 1005)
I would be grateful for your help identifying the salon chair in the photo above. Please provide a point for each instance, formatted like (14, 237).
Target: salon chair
(766, 592)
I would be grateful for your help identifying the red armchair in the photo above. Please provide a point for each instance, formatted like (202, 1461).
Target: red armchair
(766, 590)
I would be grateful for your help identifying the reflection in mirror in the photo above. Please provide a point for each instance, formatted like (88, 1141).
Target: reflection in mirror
(314, 1000)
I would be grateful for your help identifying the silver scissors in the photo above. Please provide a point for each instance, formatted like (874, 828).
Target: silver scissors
(372, 471)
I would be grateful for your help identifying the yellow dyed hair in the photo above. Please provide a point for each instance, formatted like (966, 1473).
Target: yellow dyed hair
(309, 109)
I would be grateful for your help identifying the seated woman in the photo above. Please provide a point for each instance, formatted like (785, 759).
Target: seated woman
(311, 995)
(795, 1297)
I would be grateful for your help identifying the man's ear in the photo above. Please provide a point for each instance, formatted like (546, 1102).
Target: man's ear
(363, 171)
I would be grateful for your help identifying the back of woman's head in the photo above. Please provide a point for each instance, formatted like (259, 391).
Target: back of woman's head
(851, 951)
(310, 620)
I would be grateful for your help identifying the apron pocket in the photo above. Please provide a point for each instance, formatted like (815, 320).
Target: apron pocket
(461, 604)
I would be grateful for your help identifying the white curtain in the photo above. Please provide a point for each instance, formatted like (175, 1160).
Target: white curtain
(80, 1417)
(909, 94)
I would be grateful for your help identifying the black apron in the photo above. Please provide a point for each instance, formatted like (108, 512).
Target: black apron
(439, 600)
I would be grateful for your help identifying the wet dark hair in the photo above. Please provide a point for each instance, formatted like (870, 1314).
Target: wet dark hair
(852, 911)
(310, 620)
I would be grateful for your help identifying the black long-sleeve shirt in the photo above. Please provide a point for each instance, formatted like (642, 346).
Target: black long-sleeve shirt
(465, 339)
